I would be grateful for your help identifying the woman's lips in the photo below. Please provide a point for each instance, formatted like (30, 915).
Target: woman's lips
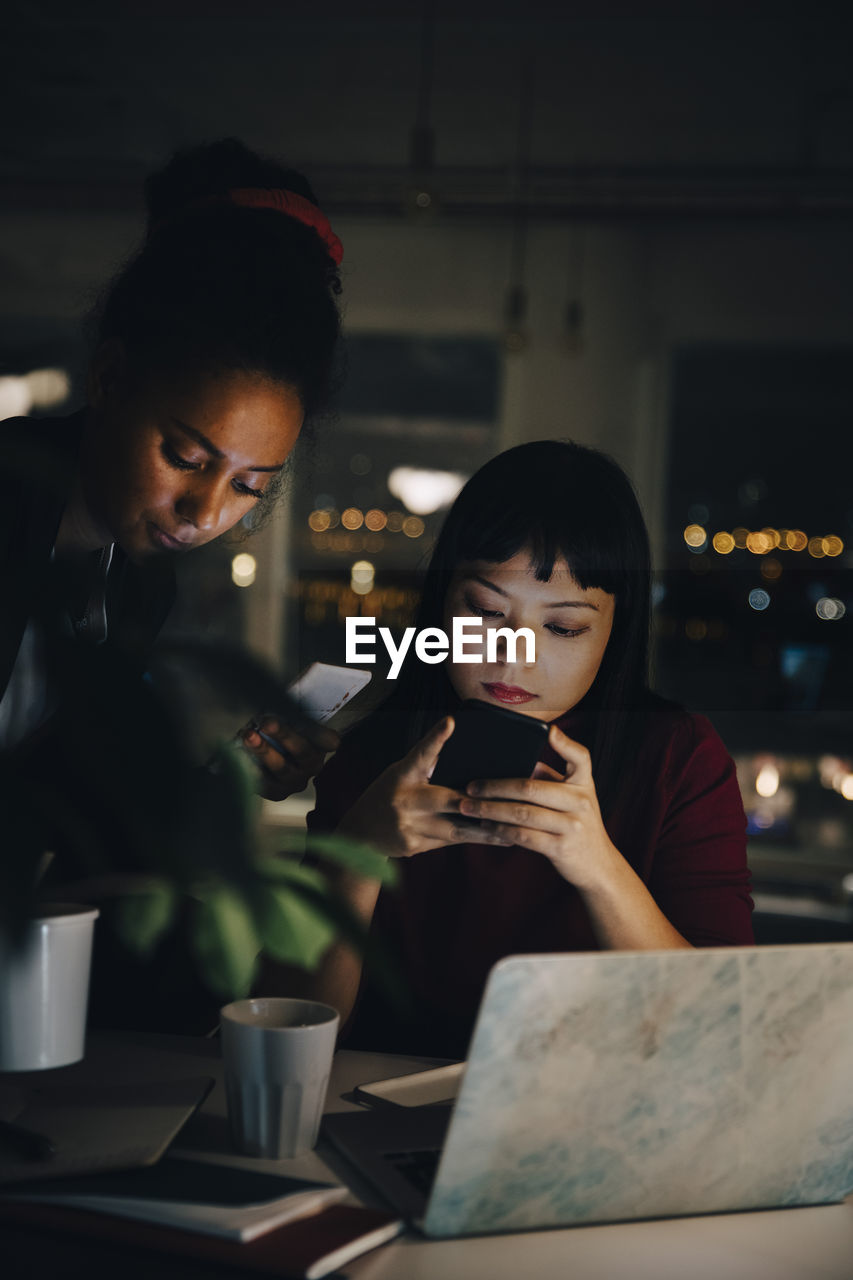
(509, 693)
(161, 538)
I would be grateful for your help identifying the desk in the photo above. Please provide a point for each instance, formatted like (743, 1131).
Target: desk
(789, 1244)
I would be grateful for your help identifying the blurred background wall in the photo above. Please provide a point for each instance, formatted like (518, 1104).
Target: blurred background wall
(627, 223)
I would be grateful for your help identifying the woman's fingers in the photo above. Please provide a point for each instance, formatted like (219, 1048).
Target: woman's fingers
(449, 831)
(529, 791)
(287, 759)
(272, 731)
(506, 816)
(423, 757)
(576, 756)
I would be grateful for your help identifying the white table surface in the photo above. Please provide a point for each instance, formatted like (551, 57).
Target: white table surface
(782, 1244)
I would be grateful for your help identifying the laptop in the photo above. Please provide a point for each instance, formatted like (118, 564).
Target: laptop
(613, 1086)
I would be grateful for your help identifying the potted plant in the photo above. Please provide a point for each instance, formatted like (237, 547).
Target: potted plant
(114, 790)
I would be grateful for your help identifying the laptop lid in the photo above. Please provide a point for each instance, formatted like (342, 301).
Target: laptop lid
(620, 1085)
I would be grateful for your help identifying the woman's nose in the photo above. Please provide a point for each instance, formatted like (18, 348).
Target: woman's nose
(201, 503)
(499, 640)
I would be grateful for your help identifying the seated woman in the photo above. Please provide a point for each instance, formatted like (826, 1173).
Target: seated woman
(631, 833)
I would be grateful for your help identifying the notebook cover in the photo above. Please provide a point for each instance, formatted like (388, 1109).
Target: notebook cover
(97, 1126)
(292, 1252)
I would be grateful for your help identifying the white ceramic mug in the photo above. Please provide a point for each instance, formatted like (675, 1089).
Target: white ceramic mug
(277, 1054)
(44, 989)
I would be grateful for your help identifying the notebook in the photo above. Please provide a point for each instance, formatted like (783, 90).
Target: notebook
(95, 1124)
(307, 1249)
(214, 1199)
(615, 1086)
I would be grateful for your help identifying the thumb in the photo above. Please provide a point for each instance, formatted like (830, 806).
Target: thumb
(423, 757)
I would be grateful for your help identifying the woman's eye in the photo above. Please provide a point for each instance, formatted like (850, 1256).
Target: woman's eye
(247, 490)
(565, 631)
(480, 611)
(175, 460)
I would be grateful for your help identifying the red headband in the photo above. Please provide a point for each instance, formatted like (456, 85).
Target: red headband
(286, 202)
(295, 206)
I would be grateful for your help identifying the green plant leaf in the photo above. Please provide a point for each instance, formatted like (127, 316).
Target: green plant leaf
(225, 940)
(142, 918)
(378, 958)
(354, 855)
(293, 929)
(289, 872)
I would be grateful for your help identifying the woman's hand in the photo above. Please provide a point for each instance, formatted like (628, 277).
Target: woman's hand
(289, 766)
(557, 815)
(402, 813)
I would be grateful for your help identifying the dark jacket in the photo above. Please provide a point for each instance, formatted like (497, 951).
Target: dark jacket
(38, 458)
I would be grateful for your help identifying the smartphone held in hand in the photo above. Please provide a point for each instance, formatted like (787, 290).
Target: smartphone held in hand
(489, 742)
(322, 689)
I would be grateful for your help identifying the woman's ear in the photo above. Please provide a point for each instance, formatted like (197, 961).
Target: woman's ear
(106, 372)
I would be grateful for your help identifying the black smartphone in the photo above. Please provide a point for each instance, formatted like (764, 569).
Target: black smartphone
(489, 742)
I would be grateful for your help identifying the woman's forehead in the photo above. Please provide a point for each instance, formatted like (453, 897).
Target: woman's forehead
(518, 575)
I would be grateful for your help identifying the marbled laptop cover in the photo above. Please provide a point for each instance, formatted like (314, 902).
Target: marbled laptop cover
(630, 1085)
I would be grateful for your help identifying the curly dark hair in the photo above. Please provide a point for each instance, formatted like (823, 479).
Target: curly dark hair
(218, 286)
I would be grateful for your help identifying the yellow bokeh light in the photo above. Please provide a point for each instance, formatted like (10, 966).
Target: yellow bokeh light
(362, 576)
(243, 570)
(832, 545)
(362, 571)
(740, 536)
(723, 543)
(395, 521)
(352, 518)
(773, 534)
(695, 535)
(816, 548)
(375, 520)
(759, 543)
(413, 526)
(767, 782)
(319, 521)
(847, 787)
(771, 569)
(796, 540)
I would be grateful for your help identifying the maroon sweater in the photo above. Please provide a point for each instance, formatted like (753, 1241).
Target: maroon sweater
(680, 824)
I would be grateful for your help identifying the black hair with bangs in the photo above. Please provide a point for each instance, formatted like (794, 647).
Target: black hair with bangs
(563, 501)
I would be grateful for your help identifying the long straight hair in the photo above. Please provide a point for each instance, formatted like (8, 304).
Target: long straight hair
(563, 502)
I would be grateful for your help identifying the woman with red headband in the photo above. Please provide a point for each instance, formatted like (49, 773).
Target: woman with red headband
(214, 345)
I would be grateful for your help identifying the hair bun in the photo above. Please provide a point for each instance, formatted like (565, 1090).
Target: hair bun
(213, 169)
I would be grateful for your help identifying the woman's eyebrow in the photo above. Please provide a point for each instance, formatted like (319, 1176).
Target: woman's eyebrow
(556, 604)
(211, 447)
(572, 604)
